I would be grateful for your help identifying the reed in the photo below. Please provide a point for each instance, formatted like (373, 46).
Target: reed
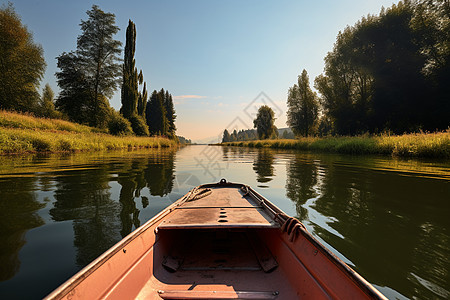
(21, 133)
(431, 145)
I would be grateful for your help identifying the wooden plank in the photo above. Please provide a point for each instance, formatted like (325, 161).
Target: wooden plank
(265, 258)
(218, 217)
(183, 294)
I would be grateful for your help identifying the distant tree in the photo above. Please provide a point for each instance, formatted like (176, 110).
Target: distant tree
(130, 75)
(46, 104)
(90, 75)
(22, 63)
(226, 136)
(170, 115)
(303, 106)
(264, 123)
(234, 136)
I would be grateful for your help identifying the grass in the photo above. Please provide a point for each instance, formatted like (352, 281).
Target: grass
(21, 133)
(430, 145)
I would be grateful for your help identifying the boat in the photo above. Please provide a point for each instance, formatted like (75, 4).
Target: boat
(219, 241)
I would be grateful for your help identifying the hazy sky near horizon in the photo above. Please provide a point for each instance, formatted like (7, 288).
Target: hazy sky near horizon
(219, 59)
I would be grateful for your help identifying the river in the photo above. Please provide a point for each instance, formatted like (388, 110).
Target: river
(389, 219)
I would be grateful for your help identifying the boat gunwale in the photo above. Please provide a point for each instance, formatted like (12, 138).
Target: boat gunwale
(81, 275)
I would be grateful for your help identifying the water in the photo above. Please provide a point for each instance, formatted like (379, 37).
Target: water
(387, 218)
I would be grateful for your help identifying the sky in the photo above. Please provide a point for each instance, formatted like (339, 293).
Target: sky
(220, 60)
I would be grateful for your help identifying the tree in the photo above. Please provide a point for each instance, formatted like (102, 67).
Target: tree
(22, 63)
(46, 104)
(170, 114)
(264, 123)
(130, 75)
(90, 75)
(226, 137)
(303, 106)
(156, 114)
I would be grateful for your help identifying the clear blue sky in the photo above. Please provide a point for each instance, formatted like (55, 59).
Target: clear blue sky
(214, 57)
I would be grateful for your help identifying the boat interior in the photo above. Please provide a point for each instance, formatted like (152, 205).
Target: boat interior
(215, 264)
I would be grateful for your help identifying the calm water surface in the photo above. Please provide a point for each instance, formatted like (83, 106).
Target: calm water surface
(388, 219)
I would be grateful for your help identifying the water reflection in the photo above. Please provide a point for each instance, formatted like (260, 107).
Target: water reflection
(387, 218)
(263, 166)
(392, 227)
(18, 206)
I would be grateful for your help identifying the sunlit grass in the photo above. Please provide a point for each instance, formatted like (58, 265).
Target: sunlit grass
(434, 145)
(24, 133)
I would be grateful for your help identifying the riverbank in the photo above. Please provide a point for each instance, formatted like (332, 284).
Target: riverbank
(429, 145)
(21, 133)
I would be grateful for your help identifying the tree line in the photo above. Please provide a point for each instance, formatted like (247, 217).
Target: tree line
(389, 72)
(88, 78)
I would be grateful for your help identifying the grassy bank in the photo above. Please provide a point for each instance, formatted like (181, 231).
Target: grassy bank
(432, 145)
(24, 133)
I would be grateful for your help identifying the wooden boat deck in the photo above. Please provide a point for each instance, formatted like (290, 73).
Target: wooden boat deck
(223, 207)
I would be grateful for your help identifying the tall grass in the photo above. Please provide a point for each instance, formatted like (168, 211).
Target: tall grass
(24, 133)
(432, 145)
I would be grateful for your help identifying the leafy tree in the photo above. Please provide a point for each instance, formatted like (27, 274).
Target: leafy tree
(90, 75)
(74, 99)
(46, 104)
(264, 123)
(303, 106)
(22, 63)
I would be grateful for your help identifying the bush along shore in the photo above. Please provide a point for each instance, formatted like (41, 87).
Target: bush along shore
(429, 145)
(21, 133)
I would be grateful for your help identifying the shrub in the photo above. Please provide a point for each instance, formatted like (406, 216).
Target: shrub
(139, 126)
(118, 125)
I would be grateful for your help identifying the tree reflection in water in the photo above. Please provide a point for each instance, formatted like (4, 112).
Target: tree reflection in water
(99, 221)
(263, 166)
(389, 226)
(18, 207)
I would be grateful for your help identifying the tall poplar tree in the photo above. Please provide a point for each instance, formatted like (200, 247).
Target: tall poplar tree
(130, 75)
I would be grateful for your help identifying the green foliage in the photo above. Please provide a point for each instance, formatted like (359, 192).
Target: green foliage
(139, 126)
(264, 123)
(88, 76)
(390, 71)
(46, 105)
(22, 64)
(118, 125)
(303, 106)
(142, 100)
(432, 145)
(160, 114)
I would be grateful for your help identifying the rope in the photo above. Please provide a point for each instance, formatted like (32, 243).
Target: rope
(198, 194)
(292, 227)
